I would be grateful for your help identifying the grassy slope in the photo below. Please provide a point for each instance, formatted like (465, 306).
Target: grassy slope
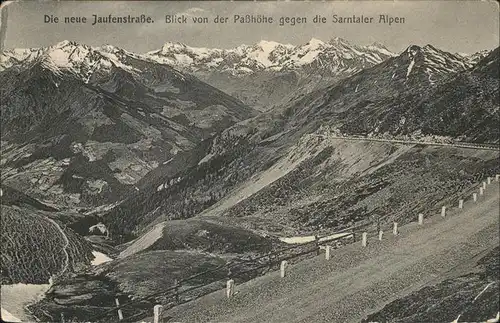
(358, 280)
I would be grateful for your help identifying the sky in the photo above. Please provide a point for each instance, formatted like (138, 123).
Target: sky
(454, 26)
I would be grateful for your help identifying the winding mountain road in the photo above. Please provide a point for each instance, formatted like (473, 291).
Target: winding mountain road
(411, 142)
(357, 281)
(65, 247)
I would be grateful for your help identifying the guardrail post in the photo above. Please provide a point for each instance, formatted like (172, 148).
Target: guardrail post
(488, 180)
(481, 191)
(484, 185)
(443, 211)
(395, 228)
(460, 204)
(230, 288)
(420, 219)
(270, 262)
(474, 197)
(327, 252)
(380, 235)
(363, 240)
(283, 266)
(120, 313)
(157, 313)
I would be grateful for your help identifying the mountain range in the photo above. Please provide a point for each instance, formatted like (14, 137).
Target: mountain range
(70, 105)
(260, 75)
(268, 72)
(333, 56)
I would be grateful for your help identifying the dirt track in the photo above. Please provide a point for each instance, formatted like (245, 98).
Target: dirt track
(357, 281)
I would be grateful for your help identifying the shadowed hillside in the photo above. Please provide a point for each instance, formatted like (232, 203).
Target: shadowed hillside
(47, 249)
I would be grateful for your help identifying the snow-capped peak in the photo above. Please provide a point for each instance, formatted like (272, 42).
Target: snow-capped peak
(339, 41)
(107, 48)
(17, 56)
(169, 46)
(267, 46)
(69, 57)
(65, 54)
(474, 58)
(433, 62)
(336, 56)
(262, 51)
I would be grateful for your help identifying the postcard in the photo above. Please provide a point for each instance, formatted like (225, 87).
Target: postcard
(249, 161)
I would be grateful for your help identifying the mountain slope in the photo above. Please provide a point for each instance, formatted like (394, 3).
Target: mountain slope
(358, 280)
(403, 96)
(463, 107)
(266, 167)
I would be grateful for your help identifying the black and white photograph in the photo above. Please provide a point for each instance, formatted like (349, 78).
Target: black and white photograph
(250, 161)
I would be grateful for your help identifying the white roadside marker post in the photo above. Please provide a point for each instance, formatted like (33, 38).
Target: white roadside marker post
(327, 252)
(283, 266)
(395, 229)
(460, 204)
(443, 211)
(364, 239)
(420, 219)
(474, 197)
(230, 288)
(481, 191)
(380, 235)
(484, 185)
(157, 313)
